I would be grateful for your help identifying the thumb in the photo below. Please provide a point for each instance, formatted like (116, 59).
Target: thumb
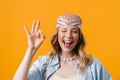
(38, 34)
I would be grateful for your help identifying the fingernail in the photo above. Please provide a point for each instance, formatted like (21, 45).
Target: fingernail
(39, 21)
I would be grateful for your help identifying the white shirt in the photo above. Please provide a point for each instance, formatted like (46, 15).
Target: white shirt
(57, 77)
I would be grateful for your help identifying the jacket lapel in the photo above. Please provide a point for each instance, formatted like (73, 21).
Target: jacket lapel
(53, 65)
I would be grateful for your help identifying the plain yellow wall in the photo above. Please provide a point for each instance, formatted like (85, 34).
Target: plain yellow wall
(101, 28)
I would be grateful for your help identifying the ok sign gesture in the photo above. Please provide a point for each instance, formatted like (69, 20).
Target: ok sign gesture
(35, 37)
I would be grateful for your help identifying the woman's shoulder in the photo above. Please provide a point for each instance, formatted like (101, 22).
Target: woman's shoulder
(43, 59)
(97, 68)
(96, 62)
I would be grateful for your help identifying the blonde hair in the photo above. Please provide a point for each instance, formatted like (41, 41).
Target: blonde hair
(84, 58)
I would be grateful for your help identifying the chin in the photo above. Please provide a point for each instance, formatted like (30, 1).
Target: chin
(66, 50)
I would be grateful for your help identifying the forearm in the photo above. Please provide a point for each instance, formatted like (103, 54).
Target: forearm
(21, 73)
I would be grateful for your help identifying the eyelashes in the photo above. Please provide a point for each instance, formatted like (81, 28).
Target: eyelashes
(74, 31)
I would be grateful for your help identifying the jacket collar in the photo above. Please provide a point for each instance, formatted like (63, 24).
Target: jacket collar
(54, 61)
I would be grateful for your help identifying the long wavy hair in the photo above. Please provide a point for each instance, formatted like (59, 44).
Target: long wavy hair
(78, 50)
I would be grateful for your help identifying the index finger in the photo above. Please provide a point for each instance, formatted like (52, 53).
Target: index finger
(26, 30)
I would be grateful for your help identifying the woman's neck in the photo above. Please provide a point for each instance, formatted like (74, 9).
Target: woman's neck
(67, 54)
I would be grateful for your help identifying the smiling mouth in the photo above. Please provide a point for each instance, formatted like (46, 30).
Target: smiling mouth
(67, 43)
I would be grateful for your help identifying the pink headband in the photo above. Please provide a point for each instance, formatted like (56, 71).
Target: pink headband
(69, 19)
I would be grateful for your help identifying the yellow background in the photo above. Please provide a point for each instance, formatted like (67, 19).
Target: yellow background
(101, 28)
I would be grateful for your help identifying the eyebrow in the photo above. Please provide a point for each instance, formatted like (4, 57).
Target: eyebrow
(71, 29)
(74, 29)
(63, 28)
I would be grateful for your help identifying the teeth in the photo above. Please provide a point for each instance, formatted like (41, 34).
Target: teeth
(68, 42)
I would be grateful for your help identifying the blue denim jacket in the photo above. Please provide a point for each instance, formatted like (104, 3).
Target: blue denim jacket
(94, 71)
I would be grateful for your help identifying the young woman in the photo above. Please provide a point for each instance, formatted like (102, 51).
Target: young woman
(67, 61)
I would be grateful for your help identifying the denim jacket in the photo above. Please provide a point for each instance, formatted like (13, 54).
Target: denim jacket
(94, 71)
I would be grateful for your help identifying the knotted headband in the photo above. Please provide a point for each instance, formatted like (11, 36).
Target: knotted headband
(69, 19)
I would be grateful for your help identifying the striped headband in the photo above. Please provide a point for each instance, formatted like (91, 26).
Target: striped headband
(69, 19)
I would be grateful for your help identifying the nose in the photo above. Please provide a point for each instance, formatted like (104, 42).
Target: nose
(69, 34)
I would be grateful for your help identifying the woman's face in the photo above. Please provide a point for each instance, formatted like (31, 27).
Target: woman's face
(68, 37)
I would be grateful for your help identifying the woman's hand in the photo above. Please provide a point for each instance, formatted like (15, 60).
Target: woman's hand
(35, 37)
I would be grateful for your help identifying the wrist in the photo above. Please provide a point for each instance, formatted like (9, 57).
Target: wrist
(31, 51)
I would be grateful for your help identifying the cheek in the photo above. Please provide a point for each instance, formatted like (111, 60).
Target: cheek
(76, 36)
(60, 36)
